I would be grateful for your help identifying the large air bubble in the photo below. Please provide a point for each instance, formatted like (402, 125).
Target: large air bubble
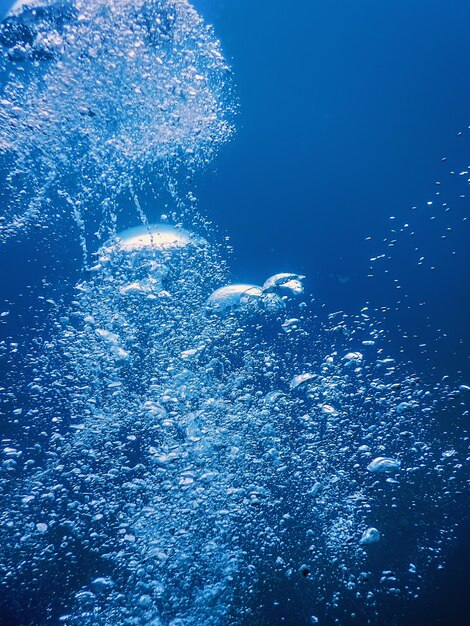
(233, 297)
(156, 237)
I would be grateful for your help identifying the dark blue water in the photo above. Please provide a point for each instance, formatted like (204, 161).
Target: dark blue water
(347, 112)
(352, 118)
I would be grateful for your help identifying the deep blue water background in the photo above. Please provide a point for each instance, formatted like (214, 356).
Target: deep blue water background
(346, 112)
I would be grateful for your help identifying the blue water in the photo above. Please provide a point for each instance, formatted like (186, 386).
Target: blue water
(346, 112)
(352, 141)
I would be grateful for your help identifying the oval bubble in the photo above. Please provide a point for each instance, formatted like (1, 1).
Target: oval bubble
(382, 465)
(232, 297)
(284, 284)
(371, 535)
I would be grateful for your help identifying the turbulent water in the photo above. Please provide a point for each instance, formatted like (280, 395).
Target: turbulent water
(177, 449)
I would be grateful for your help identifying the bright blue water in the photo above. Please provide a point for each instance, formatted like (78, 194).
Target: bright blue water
(346, 114)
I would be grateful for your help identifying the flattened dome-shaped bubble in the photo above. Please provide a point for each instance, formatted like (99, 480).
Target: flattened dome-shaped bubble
(231, 297)
(157, 236)
(284, 284)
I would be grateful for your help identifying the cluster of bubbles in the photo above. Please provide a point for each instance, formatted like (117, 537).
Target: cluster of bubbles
(98, 96)
(178, 450)
(181, 458)
(251, 299)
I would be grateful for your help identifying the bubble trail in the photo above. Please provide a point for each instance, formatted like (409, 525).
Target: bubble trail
(182, 478)
(178, 449)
